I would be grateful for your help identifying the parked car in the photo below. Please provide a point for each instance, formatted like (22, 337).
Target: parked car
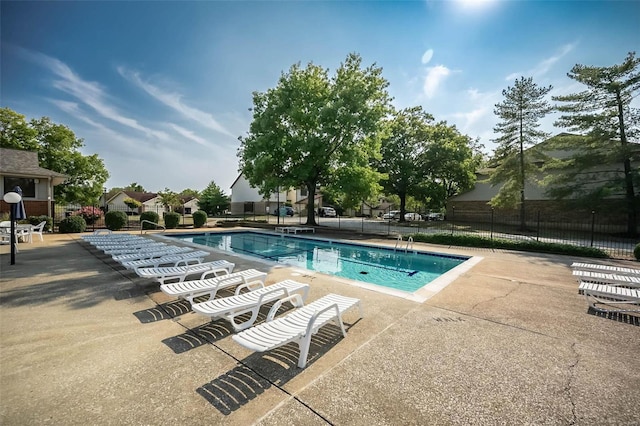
(393, 214)
(288, 211)
(412, 216)
(327, 212)
(435, 216)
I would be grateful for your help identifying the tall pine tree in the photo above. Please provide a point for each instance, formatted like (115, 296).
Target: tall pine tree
(606, 157)
(523, 106)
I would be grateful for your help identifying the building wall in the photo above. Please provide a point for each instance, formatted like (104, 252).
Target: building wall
(612, 212)
(31, 207)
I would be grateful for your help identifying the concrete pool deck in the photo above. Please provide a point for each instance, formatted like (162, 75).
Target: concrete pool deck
(83, 341)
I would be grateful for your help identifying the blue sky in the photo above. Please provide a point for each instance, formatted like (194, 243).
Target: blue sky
(162, 90)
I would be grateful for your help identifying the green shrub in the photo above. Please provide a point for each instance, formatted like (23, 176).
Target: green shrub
(171, 220)
(532, 246)
(35, 220)
(636, 251)
(115, 220)
(199, 218)
(151, 217)
(72, 224)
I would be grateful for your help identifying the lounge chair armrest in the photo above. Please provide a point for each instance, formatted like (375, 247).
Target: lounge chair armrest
(215, 272)
(188, 262)
(315, 316)
(249, 286)
(295, 299)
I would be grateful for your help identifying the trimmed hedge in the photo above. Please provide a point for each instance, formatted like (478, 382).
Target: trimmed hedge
(199, 218)
(532, 246)
(72, 224)
(115, 220)
(636, 251)
(150, 216)
(171, 220)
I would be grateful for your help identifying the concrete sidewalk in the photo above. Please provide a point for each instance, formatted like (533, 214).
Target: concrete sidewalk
(83, 341)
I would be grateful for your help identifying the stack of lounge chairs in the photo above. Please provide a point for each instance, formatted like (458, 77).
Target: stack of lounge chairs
(609, 288)
(171, 266)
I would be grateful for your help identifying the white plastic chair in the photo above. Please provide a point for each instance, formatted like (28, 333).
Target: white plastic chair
(37, 230)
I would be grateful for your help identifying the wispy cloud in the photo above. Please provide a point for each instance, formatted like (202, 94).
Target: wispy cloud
(434, 78)
(545, 65)
(189, 135)
(174, 100)
(89, 93)
(426, 56)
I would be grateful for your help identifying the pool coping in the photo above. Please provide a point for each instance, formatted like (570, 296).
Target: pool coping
(420, 295)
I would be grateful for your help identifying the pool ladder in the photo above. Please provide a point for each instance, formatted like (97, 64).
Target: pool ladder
(408, 246)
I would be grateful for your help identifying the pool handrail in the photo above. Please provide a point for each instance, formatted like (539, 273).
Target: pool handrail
(153, 223)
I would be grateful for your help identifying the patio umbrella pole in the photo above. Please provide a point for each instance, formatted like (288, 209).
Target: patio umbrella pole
(12, 239)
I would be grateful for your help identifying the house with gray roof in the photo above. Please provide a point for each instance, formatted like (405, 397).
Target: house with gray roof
(21, 168)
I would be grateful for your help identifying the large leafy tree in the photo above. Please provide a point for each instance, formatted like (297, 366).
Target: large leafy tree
(609, 126)
(15, 131)
(135, 187)
(523, 106)
(403, 159)
(312, 130)
(169, 199)
(213, 200)
(58, 150)
(450, 162)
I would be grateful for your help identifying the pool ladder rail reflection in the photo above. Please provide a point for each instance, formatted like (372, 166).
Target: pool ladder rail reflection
(407, 247)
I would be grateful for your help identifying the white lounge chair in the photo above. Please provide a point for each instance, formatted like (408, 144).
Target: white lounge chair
(168, 260)
(124, 249)
(189, 290)
(251, 301)
(612, 279)
(180, 273)
(609, 298)
(294, 229)
(126, 243)
(298, 326)
(605, 269)
(151, 253)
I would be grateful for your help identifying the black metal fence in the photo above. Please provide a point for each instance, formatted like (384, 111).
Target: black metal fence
(96, 221)
(593, 230)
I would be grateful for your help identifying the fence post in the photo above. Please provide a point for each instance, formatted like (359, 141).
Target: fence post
(538, 228)
(491, 232)
(363, 224)
(453, 217)
(593, 224)
(388, 222)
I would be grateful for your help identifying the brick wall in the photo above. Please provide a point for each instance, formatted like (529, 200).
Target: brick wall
(33, 208)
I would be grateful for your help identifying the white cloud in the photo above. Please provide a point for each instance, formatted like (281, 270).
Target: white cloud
(434, 78)
(189, 135)
(89, 93)
(426, 56)
(174, 100)
(545, 65)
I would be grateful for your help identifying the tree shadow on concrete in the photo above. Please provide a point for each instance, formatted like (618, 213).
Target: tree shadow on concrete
(64, 273)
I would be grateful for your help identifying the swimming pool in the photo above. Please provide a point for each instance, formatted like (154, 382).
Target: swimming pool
(399, 270)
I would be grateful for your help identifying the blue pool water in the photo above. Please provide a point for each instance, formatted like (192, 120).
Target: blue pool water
(375, 265)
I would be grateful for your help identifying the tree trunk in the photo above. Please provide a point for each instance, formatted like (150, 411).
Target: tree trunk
(523, 224)
(311, 208)
(403, 206)
(632, 227)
